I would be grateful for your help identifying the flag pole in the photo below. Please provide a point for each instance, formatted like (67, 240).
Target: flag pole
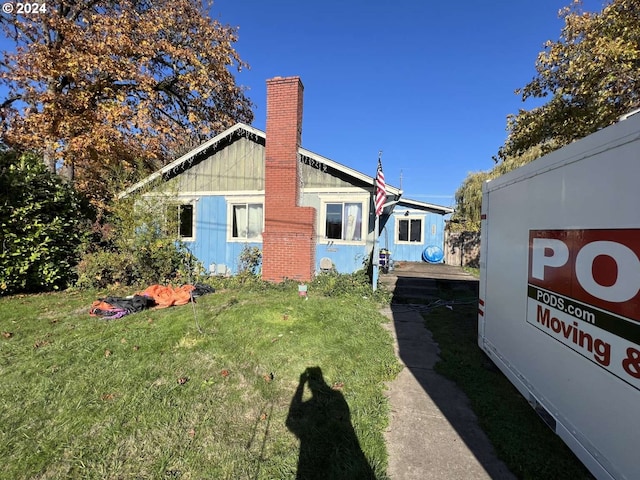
(376, 227)
(376, 255)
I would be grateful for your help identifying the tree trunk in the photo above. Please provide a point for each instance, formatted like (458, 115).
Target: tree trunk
(68, 171)
(49, 159)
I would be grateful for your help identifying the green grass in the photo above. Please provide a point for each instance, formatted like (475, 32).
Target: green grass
(521, 439)
(161, 394)
(472, 271)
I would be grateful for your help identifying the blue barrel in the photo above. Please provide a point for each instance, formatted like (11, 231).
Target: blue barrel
(433, 254)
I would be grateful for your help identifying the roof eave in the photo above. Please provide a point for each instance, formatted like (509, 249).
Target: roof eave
(187, 156)
(355, 174)
(440, 209)
(391, 190)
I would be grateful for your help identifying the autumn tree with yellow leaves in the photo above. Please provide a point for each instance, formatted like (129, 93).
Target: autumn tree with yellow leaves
(97, 87)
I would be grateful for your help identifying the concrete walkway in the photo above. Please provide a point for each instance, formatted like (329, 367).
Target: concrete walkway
(433, 433)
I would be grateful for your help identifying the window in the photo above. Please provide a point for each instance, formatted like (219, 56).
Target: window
(247, 221)
(181, 217)
(409, 230)
(343, 221)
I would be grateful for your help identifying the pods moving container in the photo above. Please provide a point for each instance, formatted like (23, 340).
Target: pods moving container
(559, 308)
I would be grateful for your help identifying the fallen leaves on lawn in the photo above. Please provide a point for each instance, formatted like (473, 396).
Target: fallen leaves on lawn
(337, 386)
(224, 373)
(263, 416)
(268, 377)
(107, 397)
(41, 343)
(183, 380)
(7, 334)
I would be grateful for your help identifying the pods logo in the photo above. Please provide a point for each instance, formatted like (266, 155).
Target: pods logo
(597, 267)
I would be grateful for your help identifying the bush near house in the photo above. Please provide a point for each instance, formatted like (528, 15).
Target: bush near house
(42, 223)
(136, 245)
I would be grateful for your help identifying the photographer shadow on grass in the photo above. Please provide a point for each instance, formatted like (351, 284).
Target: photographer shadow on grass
(329, 446)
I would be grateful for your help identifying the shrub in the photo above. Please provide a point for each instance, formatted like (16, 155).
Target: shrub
(250, 260)
(134, 245)
(102, 269)
(158, 257)
(42, 223)
(334, 284)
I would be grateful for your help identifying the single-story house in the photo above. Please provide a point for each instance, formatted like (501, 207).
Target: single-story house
(305, 212)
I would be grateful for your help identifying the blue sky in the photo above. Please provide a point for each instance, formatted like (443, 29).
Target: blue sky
(428, 83)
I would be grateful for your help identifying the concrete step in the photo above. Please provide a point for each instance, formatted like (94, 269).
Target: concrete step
(421, 282)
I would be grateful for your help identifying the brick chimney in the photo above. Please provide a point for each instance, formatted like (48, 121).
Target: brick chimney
(289, 237)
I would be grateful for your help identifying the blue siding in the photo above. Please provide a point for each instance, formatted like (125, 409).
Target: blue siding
(210, 245)
(412, 252)
(212, 248)
(345, 258)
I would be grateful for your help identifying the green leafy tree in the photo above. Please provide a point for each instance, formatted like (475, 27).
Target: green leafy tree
(42, 224)
(469, 202)
(591, 76)
(469, 195)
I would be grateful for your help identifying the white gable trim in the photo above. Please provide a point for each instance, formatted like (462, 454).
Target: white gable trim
(393, 192)
(179, 161)
(430, 207)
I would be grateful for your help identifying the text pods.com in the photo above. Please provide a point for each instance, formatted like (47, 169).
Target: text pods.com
(584, 291)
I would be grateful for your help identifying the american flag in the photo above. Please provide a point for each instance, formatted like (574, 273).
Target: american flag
(381, 190)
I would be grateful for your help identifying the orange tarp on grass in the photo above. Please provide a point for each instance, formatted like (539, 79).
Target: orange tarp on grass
(167, 296)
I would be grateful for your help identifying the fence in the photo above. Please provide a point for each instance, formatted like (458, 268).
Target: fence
(462, 248)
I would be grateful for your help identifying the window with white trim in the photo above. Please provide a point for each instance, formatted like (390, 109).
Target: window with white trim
(247, 221)
(343, 221)
(409, 230)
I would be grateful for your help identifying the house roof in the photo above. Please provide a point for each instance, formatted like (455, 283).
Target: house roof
(181, 163)
(430, 207)
(211, 144)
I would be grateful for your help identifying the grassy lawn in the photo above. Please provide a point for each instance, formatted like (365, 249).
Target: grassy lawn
(227, 394)
(521, 439)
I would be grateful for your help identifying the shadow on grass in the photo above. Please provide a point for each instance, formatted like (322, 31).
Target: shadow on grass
(329, 446)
